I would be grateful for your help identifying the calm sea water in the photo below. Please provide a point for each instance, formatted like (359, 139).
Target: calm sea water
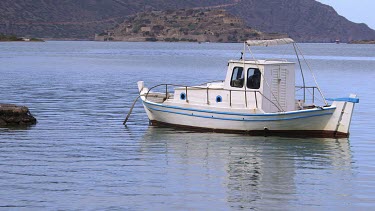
(80, 156)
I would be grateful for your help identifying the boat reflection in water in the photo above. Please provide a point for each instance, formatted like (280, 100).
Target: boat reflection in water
(199, 170)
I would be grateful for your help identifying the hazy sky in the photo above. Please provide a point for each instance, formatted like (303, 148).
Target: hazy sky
(358, 11)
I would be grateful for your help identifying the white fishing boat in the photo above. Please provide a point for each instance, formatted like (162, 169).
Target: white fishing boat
(257, 97)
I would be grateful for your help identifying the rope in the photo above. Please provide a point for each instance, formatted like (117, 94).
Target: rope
(312, 73)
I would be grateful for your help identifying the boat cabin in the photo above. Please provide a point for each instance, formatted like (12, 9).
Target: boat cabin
(261, 85)
(268, 83)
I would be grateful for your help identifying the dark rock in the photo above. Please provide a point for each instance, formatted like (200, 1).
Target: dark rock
(13, 115)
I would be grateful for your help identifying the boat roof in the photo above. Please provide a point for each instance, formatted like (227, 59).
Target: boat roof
(262, 61)
(282, 41)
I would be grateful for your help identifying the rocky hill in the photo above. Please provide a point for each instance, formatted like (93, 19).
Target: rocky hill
(78, 19)
(303, 20)
(194, 25)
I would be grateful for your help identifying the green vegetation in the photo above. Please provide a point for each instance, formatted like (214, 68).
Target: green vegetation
(192, 26)
(36, 40)
(173, 39)
(151, 39)
(362, 42)
(14, 38)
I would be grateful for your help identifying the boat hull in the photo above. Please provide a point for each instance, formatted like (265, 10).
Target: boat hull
(318, 122)
(281, 133)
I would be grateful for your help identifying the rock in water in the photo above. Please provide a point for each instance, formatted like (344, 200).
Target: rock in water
(13, 115)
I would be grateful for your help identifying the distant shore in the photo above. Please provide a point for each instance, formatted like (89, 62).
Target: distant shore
(362, 42)
(14, 38)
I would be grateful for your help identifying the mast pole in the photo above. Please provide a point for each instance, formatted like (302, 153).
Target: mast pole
(244, 73)
(303, 77)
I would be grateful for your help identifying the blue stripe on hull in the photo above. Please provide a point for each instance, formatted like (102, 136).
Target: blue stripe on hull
(243, 119)
(239, 114)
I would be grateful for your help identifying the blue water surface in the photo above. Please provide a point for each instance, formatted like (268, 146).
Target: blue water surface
(80, 156)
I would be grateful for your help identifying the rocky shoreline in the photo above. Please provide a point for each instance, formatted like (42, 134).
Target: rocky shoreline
(13, 115)
(362, 42)
(14, 38)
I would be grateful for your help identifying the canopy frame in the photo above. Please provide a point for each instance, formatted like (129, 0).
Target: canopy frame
(286, 41)
(282, 41)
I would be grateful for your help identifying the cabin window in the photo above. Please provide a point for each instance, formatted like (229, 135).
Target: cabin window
(253, 78)
(237, 77)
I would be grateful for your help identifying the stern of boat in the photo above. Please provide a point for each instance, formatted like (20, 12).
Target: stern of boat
(341, 118)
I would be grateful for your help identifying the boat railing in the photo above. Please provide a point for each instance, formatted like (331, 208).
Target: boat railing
(277, 60)
(169, 87)
(211, 82)
(306, 94)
